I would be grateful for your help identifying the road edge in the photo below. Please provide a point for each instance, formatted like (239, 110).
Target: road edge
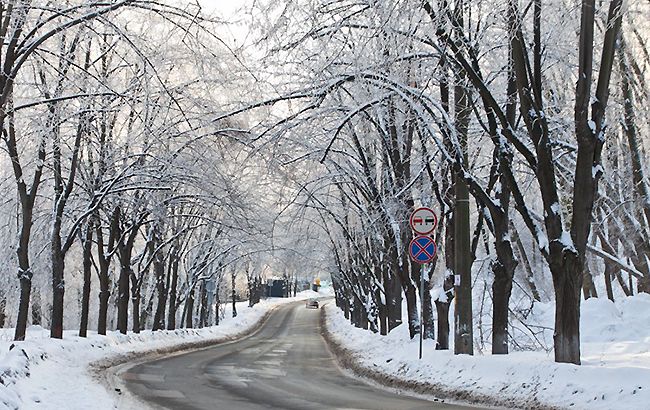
(348, 361)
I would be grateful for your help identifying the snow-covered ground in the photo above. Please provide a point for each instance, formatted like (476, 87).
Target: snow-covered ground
(615, 370)
(43, 373)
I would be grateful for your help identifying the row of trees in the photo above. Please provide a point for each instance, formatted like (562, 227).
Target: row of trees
(130, 191)
(527, 114)
(127, 151)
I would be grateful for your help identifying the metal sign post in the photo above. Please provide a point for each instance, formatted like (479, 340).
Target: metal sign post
(422, 271)
(422, 249)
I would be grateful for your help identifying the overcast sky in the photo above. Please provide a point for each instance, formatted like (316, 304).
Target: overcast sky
(227, 9)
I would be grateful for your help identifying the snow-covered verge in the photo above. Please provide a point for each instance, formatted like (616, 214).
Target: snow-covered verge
(43, 373)
(615, 370)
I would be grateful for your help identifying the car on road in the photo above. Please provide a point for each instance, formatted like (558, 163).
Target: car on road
(311, 304)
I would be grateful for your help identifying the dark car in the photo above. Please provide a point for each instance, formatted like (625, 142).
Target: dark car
(312, 304)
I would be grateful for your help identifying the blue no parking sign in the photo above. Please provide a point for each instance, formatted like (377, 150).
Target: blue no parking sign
(422, 249)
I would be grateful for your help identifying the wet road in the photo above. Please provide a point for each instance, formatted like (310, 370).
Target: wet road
(285, 365)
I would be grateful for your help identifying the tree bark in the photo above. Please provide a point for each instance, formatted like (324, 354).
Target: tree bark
(523, 256)
(410, 293)
(501, 290)
(37, 311)
(609, 271)
(567, 277)
(234, 293)
(392, 286)
(22, 252)
(427, 315)
(203, 315)
(505, 264)
(87, 271)
(135, 304)
(123, 289)
(3, 312)
(171, 316)
(104, 261)
(442, 309)
(189, 310)
(161, 290)
(588, 286)
(58, 286)
(638, 175)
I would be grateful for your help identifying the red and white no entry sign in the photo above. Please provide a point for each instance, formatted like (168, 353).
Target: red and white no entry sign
(423, 221)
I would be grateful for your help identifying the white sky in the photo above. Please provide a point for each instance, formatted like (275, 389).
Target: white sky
(227, 9)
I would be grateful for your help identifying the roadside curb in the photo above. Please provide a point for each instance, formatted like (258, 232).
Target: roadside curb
(348, 360)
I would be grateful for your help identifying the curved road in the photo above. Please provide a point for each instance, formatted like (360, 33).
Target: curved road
(285, 365)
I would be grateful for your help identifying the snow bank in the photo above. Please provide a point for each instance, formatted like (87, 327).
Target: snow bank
(615, 373)
(43, 373)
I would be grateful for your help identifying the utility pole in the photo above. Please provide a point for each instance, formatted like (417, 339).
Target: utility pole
(463, 328)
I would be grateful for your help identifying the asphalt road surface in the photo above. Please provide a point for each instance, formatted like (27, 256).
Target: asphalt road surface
(285, 365)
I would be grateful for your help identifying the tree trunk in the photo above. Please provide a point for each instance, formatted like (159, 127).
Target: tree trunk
(609, 271)
(123, 290)
(37, 313)
(3, 311)
(588, 286)
(393, 289)
(24, 269)
(145, 313)
(203, 315)
(380, 298)
(442, 309)
(58, 288)
(217, 305)
(360, 314)
(567, 278)
(443, 302)
(501, 290)
(135, 304)
(161, 290)
(638, 167)
(503, 267)
(346, 307)
(410, 292)
(171, 316)
(104, 295)
(189, 310)
(523, 256)
(87, 269)
(427, 315)
(23, 306)
(234, 294)
(614, 270)
(104, 262)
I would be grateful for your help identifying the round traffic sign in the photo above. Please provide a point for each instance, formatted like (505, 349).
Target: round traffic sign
(422, 249)
(423, 221)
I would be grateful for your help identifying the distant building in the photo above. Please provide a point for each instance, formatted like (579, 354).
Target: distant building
(277, 288)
